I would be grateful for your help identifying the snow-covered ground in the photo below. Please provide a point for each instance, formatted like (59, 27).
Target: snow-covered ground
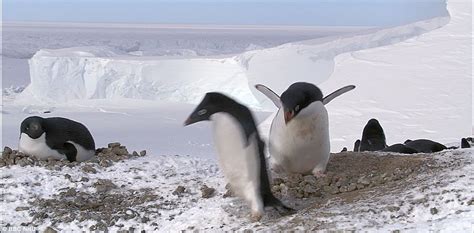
(415, 79)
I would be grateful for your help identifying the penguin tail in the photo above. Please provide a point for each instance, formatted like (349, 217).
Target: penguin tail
(272, 201)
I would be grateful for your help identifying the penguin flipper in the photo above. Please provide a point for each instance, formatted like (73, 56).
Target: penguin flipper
(270, 94)
(67, 149)
(337, 93)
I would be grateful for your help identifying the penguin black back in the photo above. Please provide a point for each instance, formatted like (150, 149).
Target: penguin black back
(373, 137)
(425, 145)
(400, 148)
(59, 128)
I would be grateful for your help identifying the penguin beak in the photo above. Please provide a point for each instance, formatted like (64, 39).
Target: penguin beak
(189, 121)
(288, 116)
(193, 118)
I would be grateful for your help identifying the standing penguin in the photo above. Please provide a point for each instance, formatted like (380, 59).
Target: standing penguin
(56, 137)
(299, 134)
(373, 137)
(240, 151)
(357, 145)
(465, 143)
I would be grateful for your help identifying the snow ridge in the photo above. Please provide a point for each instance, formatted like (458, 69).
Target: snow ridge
(61, 75)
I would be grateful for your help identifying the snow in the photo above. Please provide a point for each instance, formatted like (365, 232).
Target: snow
(414, 79)
(96, 73)
(419, 88)
(22, 40)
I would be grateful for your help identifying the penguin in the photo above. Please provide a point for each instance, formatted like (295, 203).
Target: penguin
(357, 145)
(400, 148)
(465, 143)
(240, 151)
(425, 145)
(373, 137)
(299, 133)
(56, 137)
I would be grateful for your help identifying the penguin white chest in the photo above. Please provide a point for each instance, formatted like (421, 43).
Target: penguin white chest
(302, 145)
(38, 147)
(238, 159)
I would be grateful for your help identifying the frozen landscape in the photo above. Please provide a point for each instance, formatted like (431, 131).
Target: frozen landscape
(128, 87)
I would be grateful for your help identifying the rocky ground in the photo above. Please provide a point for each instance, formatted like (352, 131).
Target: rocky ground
(119, 190)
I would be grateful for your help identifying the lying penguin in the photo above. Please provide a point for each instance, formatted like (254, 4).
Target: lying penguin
(373, 137)
(299, 134)
(429, 146)
(425, 145)
(56, 137)
(400, 148)
(240, 151)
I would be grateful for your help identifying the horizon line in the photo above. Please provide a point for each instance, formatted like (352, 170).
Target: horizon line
(172, 25)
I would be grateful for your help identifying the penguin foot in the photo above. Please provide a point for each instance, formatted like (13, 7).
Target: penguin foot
(285, 210)
(256, 216)
(277, 168)
(319, 174)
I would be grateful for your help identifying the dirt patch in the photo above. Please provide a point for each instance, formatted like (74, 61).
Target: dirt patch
(349, 172)
(370, 185)
(105, 157)
(106, 207)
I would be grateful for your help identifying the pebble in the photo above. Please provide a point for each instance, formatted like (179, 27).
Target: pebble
(228, 193)
(89, 169)
(113, 144)
(84, 179)
(207, 192)
(104, 185)
(179, 190)
(50, 230)
(310, 179)
(393, 208)
(7, 151)
(105, 163)
(121, 150)
(22, 208)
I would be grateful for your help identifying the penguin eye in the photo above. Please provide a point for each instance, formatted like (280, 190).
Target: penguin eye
(202, 112)
(297, 108)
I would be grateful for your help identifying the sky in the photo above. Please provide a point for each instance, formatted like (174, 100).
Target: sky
(227, 12)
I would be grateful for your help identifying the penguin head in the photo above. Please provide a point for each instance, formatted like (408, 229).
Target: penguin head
(297, 97)
(33, 127)
(213, 102)
(373, 129)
